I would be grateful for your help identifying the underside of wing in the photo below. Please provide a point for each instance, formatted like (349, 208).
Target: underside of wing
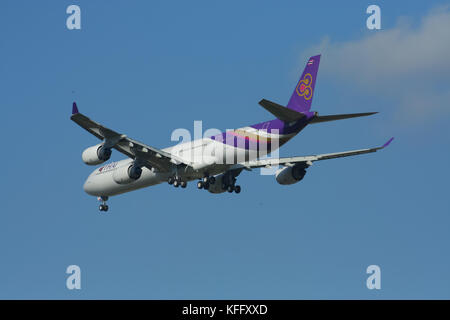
(309, 159)
(150, 157)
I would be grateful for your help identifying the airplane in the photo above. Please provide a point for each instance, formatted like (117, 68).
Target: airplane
(230, 152)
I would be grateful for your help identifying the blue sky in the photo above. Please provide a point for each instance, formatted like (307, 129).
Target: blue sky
(146, 68)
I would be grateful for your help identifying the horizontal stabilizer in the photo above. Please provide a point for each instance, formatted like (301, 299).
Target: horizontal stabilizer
(281, 112)
(334, 117)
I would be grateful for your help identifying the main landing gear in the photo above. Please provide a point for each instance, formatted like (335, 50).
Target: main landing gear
(229, 184)
(232, 188)
(205, 182)
(103, 207)
(177, 182)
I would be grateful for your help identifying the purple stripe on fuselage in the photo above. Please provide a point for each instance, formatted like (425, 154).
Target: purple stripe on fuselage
(276, 126)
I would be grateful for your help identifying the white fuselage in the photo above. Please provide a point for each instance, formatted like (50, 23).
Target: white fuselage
(205, 155)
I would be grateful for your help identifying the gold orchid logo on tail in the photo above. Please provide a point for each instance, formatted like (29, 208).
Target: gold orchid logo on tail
(304, 87)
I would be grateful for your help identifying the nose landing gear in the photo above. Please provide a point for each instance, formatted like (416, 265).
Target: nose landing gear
(103, 207)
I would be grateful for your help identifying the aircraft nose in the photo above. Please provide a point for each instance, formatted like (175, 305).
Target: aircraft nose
(88, 187)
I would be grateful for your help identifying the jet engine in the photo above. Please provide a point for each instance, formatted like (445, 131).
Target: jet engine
(291, 175)
(127, 174)
(96, 155)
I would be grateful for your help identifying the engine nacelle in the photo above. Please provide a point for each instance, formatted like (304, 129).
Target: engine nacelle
(290, 175)
(96, 155)
(217, 186)
(127, 174)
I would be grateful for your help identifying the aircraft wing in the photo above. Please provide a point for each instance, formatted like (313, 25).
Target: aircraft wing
(150, 156)
(309, 159)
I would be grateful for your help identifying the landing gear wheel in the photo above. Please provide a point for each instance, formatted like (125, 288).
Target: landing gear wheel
(237, 189)
(176, 183)
(230, 189)
(183, 184)
(170, 180)
(200, 185)
(103, 207)
(212, 180)
(205, 179)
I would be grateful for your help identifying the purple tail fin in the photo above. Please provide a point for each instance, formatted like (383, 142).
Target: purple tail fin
(304, 90)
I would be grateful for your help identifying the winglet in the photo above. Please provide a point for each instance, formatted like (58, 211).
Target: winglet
(387, 143)
(74, 108)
